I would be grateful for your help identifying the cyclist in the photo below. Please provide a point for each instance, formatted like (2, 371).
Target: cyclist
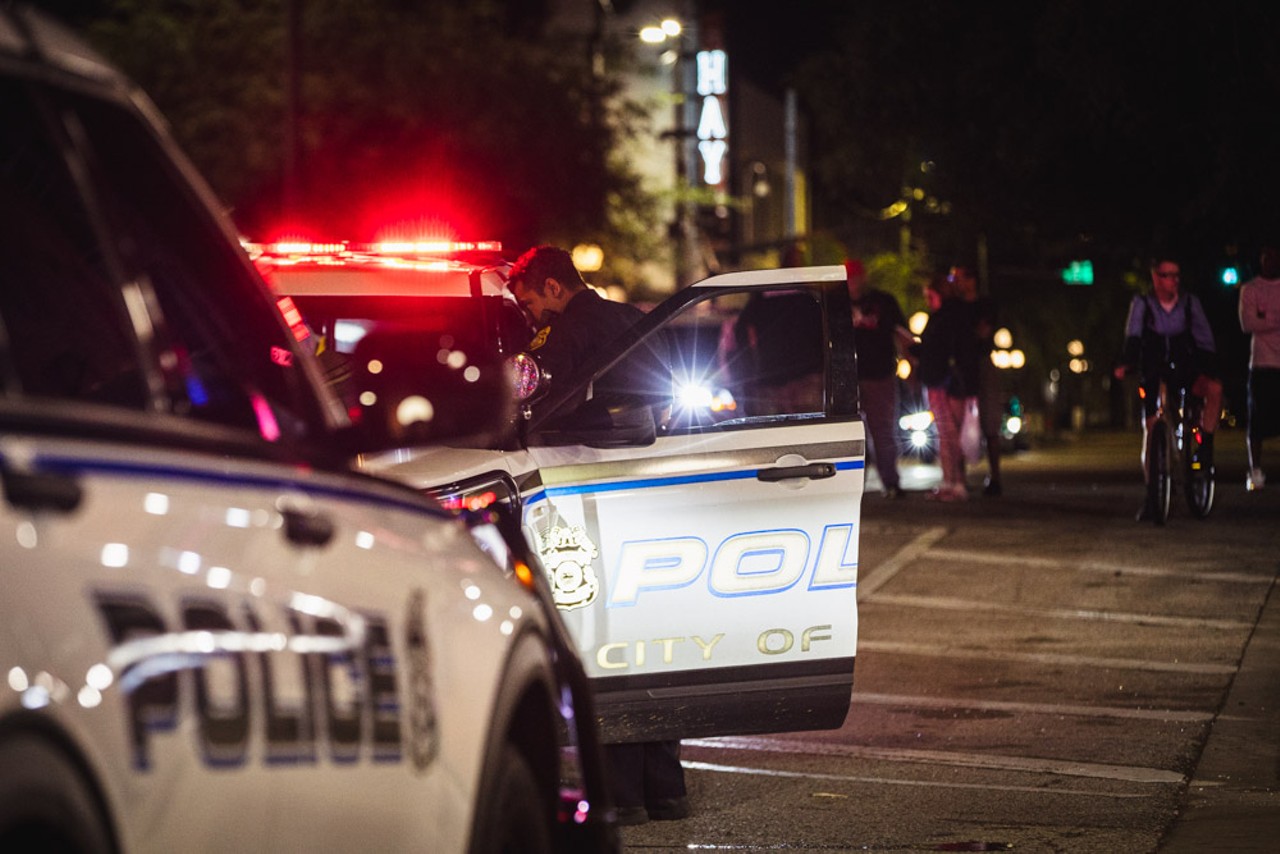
(1167, 337)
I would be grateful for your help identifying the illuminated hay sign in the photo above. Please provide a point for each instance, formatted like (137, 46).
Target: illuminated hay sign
(713, 126)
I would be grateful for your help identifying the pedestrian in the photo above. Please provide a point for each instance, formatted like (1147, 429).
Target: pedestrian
(989, 391)
(781, 339)
(1168, 339)
(646, 779)
(880, 336)
(950, 377)
(1260, 317)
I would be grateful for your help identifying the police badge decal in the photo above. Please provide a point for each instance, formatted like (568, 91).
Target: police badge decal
(567, 552)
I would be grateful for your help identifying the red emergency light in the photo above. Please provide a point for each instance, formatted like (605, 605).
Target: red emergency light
(299, 250)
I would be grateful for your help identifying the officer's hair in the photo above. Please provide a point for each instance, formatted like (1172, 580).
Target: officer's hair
(533, 268)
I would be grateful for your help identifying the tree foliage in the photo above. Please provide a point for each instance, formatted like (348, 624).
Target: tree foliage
(462, 116)
(1133, 126)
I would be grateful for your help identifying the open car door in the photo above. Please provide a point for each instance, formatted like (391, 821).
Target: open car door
(707, 568)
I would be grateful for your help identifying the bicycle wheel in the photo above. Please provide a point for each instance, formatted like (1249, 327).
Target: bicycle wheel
(1160, 481)
(1199, 475)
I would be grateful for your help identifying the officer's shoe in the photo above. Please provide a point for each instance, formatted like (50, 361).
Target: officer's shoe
(669, 809)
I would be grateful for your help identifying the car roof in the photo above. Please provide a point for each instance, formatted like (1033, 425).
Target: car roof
(784, 275)
(344, 269)
(32, 40)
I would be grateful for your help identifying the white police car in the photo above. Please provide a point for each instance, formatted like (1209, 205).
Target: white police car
(706, 562)
(213, 634)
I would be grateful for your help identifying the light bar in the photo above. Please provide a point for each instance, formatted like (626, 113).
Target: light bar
(388, 248)
(305, 248)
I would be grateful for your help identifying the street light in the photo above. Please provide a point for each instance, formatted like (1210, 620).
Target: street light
(588, 257)
(672, 30)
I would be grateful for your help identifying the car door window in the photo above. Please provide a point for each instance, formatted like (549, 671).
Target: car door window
(66, 328)
(224, 351)
(771, 351)
(750, 358)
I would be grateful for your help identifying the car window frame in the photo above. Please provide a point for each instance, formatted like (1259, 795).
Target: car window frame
(840, 399)
(55, 101)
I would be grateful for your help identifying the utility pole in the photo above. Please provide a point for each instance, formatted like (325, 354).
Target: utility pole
(292, 108)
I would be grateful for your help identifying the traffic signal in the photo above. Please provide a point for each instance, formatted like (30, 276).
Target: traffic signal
(1078, 273)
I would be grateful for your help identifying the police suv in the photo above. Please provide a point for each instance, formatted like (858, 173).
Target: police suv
(214, 634)
(704, 557)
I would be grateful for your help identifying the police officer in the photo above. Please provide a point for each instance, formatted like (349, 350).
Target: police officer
(646, 779)
(575, 324)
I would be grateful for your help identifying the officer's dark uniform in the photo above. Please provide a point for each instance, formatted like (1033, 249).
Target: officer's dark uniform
(570, 344)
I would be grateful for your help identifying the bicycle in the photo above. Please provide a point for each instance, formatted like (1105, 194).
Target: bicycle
(1175, 436)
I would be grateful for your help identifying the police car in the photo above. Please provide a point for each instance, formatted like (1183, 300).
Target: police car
(213, 633)
(704, 558)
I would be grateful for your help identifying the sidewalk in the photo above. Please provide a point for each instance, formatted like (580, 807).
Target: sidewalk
(1233, 800)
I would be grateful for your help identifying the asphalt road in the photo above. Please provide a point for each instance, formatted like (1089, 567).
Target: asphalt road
(1036, 672)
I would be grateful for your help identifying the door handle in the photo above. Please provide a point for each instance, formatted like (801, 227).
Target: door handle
(41, 490)
(812, 471)
(307, 527)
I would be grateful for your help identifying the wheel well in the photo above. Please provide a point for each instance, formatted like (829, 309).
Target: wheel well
(524, 721)
(527, 732)
(28, 725)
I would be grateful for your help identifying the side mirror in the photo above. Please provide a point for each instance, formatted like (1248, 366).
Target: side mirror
(599, 426)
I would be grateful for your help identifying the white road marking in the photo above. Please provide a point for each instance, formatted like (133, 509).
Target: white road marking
(891, 781)
(946, 603)
(921, 547)
(1032, 708)
(1095, 566)
(1027, 764)
(1045, 658)
(876, 578)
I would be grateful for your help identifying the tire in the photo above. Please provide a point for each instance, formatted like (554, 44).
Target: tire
(1199, 476)
(1160, 482)
(45, 803)
(516, 818)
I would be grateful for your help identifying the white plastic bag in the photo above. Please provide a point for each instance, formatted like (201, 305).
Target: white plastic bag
(971, 432)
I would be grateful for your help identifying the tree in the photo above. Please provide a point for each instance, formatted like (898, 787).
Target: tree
(463, 116)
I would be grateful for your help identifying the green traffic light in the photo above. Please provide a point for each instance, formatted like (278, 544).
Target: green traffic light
(1078, 273)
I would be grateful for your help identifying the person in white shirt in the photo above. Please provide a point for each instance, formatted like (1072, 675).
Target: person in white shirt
(1260, 317)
